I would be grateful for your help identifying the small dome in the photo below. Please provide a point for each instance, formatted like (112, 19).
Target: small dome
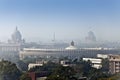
(71, 47)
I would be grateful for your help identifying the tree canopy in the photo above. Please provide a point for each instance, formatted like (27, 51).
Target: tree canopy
(62, 73)
(8, 71)
(25, 77)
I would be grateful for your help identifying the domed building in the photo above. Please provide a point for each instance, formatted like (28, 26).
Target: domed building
(91, 37)
(16, 36)
(71, 47)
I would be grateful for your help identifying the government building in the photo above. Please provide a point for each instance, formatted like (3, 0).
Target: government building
(14, 44)
(11, 49)
(71, 51)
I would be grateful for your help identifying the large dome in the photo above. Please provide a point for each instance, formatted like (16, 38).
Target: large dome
(91, 37)
(16, 36)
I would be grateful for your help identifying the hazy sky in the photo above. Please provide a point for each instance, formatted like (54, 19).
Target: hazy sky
(69, 19)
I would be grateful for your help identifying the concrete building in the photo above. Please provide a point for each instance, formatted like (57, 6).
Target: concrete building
(37, 64)
(113, 60)
(9, 47)
(32, 65)
(96, 63)
(103, 56)
(71, 52)
(114, 64)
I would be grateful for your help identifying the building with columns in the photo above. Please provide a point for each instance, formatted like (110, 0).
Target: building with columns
(71, 51)
(13, 46)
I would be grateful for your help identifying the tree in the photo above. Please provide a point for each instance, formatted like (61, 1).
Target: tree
(22, 65)
(105, 65)
(62, 73)
(9, 71)
(25, 77)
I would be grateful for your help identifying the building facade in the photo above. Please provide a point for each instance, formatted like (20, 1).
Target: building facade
(114, 64)
(96, 63)
(71, 52)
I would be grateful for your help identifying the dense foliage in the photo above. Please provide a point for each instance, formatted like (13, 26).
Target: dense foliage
(22, 65)
(62, 73)
(25, 77)
(8, 71)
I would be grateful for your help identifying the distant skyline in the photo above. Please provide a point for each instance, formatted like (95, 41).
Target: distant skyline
(38, 20)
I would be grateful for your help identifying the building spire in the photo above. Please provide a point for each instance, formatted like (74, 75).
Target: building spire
(16, 28)
(53, 37)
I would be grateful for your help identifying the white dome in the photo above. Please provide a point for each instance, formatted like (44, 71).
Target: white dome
(71, 48)
(16, 36)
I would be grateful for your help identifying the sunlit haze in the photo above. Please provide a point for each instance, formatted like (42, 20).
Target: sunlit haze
(38, 20)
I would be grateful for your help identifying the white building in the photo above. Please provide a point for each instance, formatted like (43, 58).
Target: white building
(103, 56)
(96, 63)
(32, 65)
(66, 63)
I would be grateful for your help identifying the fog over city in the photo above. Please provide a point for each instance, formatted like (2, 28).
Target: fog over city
(59, 39)
(38, 20)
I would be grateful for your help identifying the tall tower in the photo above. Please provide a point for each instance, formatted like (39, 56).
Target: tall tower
(53, 37)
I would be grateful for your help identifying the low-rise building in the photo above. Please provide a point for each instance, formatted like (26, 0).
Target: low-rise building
(96, 63)
(113, 60)
(114, 64)
(103, 56)
(32, 65)
(66, 63)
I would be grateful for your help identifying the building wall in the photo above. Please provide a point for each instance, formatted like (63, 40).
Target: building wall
(10, 47)
(31, 65)
(96, 63)
(114, 63)
(103, 56)
(62, 52)
(114, 66)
